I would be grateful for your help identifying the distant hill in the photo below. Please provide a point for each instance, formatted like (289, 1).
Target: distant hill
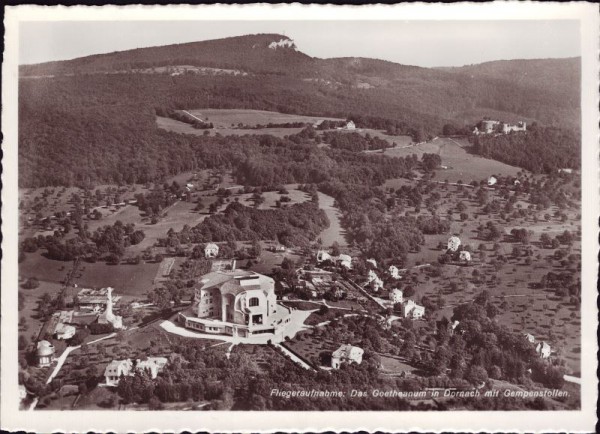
(112, 98)
(250, 53)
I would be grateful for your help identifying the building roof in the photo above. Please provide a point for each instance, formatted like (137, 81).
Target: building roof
(235, 281)
(45, 348)
(344, 351)
(211, 246)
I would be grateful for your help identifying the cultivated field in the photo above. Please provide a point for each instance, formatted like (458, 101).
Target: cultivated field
(522, 307)
(461, 165)
(175, 126)
(227, 118)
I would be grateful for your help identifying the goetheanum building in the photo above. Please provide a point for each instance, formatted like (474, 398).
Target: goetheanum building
(237, 303)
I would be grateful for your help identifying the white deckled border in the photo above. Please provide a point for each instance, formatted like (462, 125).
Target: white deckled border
(50, 421)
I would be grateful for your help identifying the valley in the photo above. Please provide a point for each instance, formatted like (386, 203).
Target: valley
(382, 232)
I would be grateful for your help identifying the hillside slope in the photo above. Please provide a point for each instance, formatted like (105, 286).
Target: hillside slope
(72, 110)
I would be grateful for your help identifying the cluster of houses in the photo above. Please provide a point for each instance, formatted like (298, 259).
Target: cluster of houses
(117, 369)
(493, 126)
(93, 305)
(453, 248)
(342, 259)
(409, 308)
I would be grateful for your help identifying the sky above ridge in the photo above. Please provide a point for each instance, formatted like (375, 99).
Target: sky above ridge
(420, 43)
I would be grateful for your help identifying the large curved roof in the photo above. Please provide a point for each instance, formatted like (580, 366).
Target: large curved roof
(237, 281)
(44, 348)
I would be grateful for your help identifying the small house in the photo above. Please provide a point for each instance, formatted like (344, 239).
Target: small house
(492, 180)
(394, 272)
(453, 243)
(211, 250)
(530, 338)
(373, 262)
(346, 354)
(410, 309)
(464, 256)
(543, 349)
(323, 256)
(45, 353)
(345, 261)
(396, 296)
(64, 332)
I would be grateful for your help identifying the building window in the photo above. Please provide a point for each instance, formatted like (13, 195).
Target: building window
(254, 301)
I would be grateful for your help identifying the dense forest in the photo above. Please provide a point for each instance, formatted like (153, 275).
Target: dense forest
(296, 225)
(539, 150)
(89, 126)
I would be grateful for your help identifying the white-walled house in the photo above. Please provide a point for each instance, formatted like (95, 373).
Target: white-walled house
(492, 180)
(396, 296)
(453, 243)
(45, 353)
(464, 256)
(543, 349)
(394, 272)
(211, 250)
(64, 331)
(346, 354)
(323, 256)
(373, 262)
(410, 309)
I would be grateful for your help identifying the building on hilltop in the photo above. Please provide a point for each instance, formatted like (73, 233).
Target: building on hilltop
(346, 354)
(237, 303)
(118, 368)
(492, 180)
(211, 250)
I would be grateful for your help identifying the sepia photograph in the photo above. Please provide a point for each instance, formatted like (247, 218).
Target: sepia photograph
(300, 212)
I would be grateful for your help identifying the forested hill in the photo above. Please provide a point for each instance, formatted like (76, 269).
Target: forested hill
(93, 119)
(247, 53)
(546, 91)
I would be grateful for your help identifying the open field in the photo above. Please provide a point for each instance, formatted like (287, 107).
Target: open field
(334, 232)
(126, 279)
(42, 268)
(226, 118)
(461, 165)
(175, 126)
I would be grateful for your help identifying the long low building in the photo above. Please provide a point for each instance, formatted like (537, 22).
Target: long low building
(236, 303)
